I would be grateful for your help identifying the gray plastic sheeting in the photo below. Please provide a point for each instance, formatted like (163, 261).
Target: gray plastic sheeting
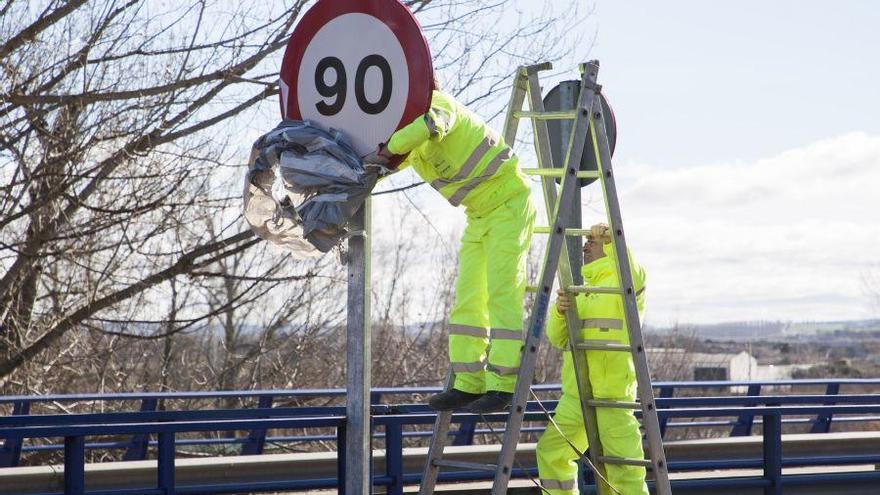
(302, 187)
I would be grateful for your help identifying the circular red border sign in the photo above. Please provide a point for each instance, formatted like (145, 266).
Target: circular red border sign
(401, 22)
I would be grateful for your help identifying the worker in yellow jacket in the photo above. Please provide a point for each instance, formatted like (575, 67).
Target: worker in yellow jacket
(454, 151)
(612, 377)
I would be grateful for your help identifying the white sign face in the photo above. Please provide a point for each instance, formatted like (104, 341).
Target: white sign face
(361, 67)
(354, 77)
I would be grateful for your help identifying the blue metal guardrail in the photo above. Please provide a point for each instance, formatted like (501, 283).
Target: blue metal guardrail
(137, 447)
(773, 411)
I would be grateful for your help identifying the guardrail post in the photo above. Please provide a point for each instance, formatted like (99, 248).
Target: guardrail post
(256, 440)
(141, 442)
(74, 466)
(665, 393)
(341, 442)
(586, 477)
(772, 439)
(10, 454)
(822, 423)
(743, 426)
(465, 433)
(394, 457)
(165, 468)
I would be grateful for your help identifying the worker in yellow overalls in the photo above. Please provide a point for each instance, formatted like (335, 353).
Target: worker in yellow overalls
(612, 377)
(470, 165)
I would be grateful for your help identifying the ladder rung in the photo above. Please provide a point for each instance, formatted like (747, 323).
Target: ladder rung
(614, 404)
(558, 172)
(583, 289)
(571, 232)
(587, 290)
(558, 115)
(465, 465)
(625, 461)
(534, 69)
(586, 345)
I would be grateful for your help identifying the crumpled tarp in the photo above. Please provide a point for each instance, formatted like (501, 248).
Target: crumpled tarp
(302, 187)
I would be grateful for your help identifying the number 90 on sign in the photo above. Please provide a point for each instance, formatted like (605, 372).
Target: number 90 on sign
(337, 90)
(354, 77)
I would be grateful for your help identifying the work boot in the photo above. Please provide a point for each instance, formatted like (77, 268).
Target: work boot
(493, 401)
(451, 399)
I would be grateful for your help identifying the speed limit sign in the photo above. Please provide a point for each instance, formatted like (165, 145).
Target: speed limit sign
(358, 66)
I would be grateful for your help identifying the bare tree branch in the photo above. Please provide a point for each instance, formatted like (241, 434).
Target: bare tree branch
(41, 24)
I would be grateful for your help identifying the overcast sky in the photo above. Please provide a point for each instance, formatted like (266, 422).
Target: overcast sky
(751, 147)
(748, 154)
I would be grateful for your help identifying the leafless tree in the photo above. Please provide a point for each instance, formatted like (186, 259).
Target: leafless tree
(121, 159)
(107, 117)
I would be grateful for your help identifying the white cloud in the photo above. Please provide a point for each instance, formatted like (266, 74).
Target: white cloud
(785, 237)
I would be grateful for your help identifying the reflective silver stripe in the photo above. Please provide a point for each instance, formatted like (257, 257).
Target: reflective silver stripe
(502, 370)
(504, 334)
(598, 341)
(437, 117)
(602, 323)
(557, 484)
(431, 124)
(472, 184)
(443, 116)
(467, 367)
(456, 329)
(469, 165)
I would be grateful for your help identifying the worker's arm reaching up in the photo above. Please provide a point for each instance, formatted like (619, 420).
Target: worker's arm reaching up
(409, 137)
(435, 124)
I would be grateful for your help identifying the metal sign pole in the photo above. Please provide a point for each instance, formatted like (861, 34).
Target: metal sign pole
(575, 243)
(358, 441)
(568, 96)
(561, 98)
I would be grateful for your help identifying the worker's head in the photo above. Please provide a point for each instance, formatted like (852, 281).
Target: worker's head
(436, 82)
(599, 235)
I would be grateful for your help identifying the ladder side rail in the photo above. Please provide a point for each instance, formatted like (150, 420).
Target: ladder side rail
(532, 339)
(586, 100)
(438, 443)
(552, 255)
(517, 97)
(631, 314)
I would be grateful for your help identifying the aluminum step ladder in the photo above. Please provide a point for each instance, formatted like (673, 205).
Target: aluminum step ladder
(589, 123)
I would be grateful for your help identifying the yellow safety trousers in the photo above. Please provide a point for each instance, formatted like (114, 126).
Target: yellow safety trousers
(618, 432)
(612, 377)
(486, 320)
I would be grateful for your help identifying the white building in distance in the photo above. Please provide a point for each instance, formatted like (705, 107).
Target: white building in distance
(674, 364)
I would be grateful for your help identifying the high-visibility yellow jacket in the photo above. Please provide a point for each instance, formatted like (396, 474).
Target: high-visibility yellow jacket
(459, 155)
(612, 373)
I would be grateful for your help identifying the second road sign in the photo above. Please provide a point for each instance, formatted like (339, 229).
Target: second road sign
(359, 66)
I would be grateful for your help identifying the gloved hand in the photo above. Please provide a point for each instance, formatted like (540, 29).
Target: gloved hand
(380, 156)
(563, 302)
(378, 161)
(375, 158)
